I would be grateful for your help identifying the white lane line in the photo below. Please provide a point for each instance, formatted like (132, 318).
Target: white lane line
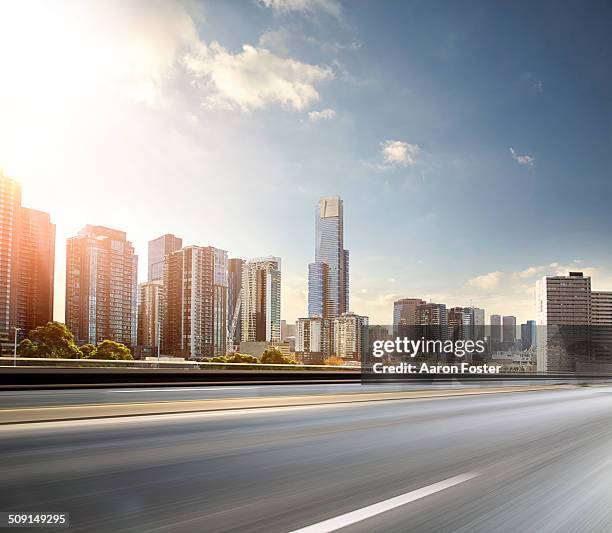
(119, 391)
(372, 510)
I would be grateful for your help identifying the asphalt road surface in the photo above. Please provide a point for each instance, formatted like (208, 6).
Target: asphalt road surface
(48, 398)
(529, 461)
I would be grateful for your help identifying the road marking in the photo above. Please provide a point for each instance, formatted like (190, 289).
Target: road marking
(120, 391)
(372, 510)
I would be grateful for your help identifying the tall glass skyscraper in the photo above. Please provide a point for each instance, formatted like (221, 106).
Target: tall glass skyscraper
(328, 276)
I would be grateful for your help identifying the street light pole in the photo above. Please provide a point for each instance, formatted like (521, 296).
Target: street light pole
(158, 340)
(15, 347)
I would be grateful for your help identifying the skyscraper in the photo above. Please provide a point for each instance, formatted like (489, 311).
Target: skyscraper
(150, 313)
(195, 315)
(261, 300)
(328, 276)
(101, 289)
(27, 256)
(158, 249)
(234, 303)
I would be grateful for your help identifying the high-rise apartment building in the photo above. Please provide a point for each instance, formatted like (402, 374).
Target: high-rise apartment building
(150, 313)
(101, 288)
(563, 306)
(261, 300)
(158, 249)
(314, 339)
(350, 336)
(328, 276)
(195, 309)
(234, 303)
(27, 257)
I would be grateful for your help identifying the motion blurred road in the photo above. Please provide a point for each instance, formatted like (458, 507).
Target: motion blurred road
(521, 461)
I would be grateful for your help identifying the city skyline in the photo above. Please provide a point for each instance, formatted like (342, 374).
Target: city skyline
(419, 132)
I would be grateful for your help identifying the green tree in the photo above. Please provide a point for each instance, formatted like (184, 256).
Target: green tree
(112, 350)
(53, 340)
(88, 351)
(242, 358)
(273, 356)
(27, 348)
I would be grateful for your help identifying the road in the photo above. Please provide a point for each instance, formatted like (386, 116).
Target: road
(40, 398)
(529, 461)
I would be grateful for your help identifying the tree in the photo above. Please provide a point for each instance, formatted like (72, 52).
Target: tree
(242, 358)
(27, 348)
(54, 339)
(88, 351)
(112, 350)
(273, 356)
(334, 361)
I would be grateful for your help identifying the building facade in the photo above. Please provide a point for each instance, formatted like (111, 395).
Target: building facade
(27, 260)
(195, 308)
(150, 313)
(350, 336)
(261, 300)
(158, 249)
(314, 339)
(404, 311)
(234, 305)
(563, 307)
(101, 287)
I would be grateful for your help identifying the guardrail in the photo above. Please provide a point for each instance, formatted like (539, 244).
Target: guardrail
(161, 363)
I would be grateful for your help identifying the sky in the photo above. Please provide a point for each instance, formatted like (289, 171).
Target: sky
(471, 143)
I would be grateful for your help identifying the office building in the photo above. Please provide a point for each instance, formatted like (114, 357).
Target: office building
(196, 294)
(27, 260)
(509, 329)
(404, 311)
(350, 336)
(150, 313)
(101, 289)
(432, 320)
(563, 306)
(496, 331)
(328, 276)
(158, 249)
(528, 334)
(261, 300)
(314, 339)
(234, 304)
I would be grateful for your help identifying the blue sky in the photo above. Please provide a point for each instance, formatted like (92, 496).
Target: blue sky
(471, 143)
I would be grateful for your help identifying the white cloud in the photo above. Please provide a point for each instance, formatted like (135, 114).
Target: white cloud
(399, 153)
(325, 114)
(305, 7)
(522, 159)
(253, 78)
(486, 281)
(530, 272)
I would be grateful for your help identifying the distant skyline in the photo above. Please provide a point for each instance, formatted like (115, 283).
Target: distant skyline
(471, 147)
